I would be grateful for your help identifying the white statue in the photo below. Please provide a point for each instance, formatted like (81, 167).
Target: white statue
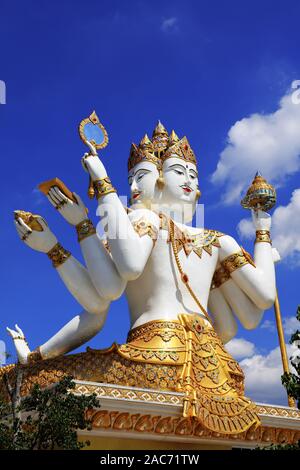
(171, 272)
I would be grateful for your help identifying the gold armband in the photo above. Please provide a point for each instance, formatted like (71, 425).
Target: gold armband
(237, 260)
(103, 186)
(58, 255)
(144, 227)
(263, 236)
(85, 229)
(220, 276)
(34, 356)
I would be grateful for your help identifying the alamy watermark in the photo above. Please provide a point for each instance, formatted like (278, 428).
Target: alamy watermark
(2, 92)
(112, 221)
(296, 94)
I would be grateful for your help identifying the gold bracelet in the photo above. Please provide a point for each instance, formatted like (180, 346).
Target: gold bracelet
(220, 276)
(58, 255)
(237, 260)
(103, 186)
(34, 356)
(263, 236)
(85, 229)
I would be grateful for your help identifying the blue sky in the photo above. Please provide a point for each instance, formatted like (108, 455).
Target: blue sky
(200, 67)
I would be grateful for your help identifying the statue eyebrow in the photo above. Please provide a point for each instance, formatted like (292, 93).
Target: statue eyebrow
(177, 164)
(141, 169)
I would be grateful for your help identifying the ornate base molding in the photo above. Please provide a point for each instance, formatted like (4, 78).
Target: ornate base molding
(135, 414)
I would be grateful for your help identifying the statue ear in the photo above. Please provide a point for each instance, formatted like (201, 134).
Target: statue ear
(160, 180)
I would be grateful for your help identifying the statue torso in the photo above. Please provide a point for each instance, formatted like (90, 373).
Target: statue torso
(159, 292)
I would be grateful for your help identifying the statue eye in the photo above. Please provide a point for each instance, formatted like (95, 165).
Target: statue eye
(179, 172)
(140, 176)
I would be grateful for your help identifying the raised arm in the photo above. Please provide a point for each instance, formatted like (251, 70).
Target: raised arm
(130, 251)
(256, 279)
(73, 274)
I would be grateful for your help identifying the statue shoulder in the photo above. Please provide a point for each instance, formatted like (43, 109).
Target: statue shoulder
(143, 213)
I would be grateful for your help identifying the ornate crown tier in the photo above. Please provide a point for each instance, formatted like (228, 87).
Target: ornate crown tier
(180, 149)
(161, 147)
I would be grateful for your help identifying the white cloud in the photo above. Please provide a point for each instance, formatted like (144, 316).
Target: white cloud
(263, 376)
(290, 325)
(240, 347)
(169, 25)
(268, 325)
(285, 229)
(269, 143)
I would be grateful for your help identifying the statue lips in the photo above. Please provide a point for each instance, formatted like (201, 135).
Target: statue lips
(136, 194)
(186, 189)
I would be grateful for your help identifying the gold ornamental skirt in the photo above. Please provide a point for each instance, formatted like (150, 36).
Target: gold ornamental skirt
(183, 355)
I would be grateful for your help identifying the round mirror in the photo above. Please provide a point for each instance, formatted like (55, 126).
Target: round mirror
(93, 133)
(91, 129)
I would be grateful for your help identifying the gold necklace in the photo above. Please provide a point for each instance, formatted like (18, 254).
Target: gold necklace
(184, 276)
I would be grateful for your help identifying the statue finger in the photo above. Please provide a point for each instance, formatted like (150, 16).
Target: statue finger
(92, 148)
(24, 229)
(54, 197)
(20, 231)
(43, 223)
(19, 330)
(10, 332)
(23, 225)
(60, 195)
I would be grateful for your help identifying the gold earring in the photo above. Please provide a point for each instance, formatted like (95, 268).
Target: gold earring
(198, 194)
(160, 180)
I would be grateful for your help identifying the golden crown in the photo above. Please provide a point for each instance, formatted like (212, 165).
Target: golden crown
(161, 147)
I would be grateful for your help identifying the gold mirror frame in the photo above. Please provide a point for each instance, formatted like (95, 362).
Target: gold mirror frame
(93, 118)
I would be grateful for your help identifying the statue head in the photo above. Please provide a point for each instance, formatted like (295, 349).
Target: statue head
(143, 173)
(163, 172)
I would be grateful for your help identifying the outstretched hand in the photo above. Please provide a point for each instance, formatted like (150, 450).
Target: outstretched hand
(40, 241)
(72, 212)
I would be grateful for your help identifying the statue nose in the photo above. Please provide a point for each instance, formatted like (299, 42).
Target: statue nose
(134, 185)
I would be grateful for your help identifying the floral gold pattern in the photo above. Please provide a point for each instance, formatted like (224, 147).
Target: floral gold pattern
(58, 255)
(184, 355)
(219, 277)
(103, 186)
(144, 227)
(263, 236)
(85, 229)
(237, 260)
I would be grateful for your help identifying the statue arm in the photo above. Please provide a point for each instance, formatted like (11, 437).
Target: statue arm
(224, 321)
(101, 268)
(78, 282)
(73, 274)
(129, 250)
(76, 332)
(256, 281)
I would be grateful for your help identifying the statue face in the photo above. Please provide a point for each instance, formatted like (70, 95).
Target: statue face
(181, 180)
(142, 181)
(181, 184)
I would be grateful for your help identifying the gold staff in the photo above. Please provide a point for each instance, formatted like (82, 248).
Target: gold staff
(262, 195)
